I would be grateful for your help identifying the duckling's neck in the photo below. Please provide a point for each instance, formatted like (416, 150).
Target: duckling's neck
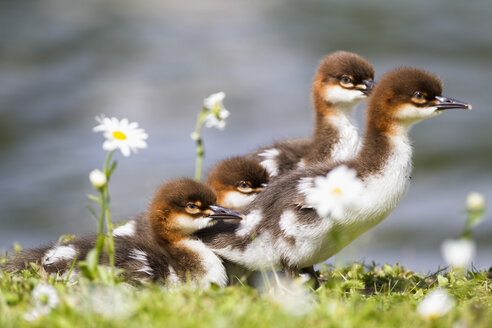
(335, 137)
(187, 254)
(166, 236)
(384, 139)
(175, 243)
(386, 145)
(193, 258)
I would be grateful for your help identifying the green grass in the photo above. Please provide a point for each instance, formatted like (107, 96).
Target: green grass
(353, 296)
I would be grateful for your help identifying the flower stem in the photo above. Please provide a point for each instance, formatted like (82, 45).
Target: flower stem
(106, 163)
(106, 211)
(105, 217)
(473, 219)
(199, 144)
(109, 227)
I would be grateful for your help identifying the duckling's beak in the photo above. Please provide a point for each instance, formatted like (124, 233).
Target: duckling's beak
(222, 213)
(448, 103)
(369, 86)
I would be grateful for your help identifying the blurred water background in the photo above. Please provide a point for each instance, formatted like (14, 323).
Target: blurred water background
(62, 62)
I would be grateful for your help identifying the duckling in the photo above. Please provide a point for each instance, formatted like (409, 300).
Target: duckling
(302, 218)
(157, 246)
(237, 181)
(342, 81)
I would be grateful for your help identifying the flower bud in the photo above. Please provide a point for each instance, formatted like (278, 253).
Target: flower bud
(97, 178)
(475, 202)
(435, 304)
(194, 136)
(458, 253)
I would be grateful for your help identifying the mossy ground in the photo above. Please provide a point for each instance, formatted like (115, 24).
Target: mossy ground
(352, 296)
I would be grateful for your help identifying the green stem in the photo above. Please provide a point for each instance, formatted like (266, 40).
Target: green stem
(109, 227)
(106, 212)
(199, 144)
(473, 219)
(100, 226)
(106, 165)
(105, 217)
(199, 159)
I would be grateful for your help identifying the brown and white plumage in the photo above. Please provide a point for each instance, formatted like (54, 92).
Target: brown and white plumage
(343, 80)
(156, 246)
(284, 227)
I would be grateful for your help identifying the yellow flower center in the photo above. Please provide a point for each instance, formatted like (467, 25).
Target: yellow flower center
(119, 135)
(336, 191)
(216, 110)
(433, 316)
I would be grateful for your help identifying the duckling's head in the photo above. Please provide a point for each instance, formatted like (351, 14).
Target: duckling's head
(407, 95)
(184, 206)
(237, 181)
(343, 80)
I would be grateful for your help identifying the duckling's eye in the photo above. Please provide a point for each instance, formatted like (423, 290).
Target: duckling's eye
(418, 97)
(192, 208)
(346, 81)
(244, 186)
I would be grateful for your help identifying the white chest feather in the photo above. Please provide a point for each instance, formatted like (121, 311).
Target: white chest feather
(212, 264)
(386, 190)
(381, 194)
(348, 144)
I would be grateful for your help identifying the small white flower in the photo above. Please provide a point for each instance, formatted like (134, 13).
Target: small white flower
(214, 100)
(458, 253)
(97, 178)
(435, 304)
(45, 298)
(36, 313)
(475, 202)
(217, 114)
(121, 135)
(45, 294)
(117, 302)
(332, 194)
(291, 296)
(194, 136)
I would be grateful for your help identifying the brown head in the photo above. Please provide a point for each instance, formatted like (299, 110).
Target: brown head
(182, 207)
(237, 181)
(405, 96)
(342, 81)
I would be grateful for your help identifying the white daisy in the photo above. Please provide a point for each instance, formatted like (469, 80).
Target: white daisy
(46, 295)
(458, 253)
(44, 298)
(121, 134)
(475, 202)
(291, 296)
(115, 302)
(435, 304)
(332, 194)
(217, 114)
(97, 178)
